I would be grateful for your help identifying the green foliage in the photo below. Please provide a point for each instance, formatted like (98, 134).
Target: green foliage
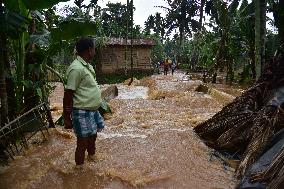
(41, 39)
(226, 47)
(208, 48)
(184, 67)
(272, 44)
(157, 24)
(61, 68)
(71, 29)
(158, 51)
(13, 23)
(115, 21)
(41, 4)
(32, 45)
(180, 15)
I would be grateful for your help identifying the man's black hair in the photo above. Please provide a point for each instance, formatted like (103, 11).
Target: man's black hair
(84, 44)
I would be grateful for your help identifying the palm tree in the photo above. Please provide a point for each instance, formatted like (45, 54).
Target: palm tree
(180, 16)
(157, 24)
(149, 24)
(114, 20)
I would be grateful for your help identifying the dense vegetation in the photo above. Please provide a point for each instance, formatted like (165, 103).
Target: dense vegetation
(213, 36)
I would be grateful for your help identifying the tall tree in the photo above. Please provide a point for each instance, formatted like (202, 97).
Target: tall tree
(202, 3)
(157, 24)
(131, 31)
(260, 33)
(196, 49)
(114, 20)
(180, 15)
(3, 52)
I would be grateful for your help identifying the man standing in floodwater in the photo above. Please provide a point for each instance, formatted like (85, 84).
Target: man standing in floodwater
(82, 98)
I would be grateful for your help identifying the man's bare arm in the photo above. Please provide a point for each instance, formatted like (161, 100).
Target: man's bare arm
(67, 108)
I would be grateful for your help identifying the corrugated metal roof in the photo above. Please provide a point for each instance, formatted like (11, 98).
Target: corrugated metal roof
(121, 41)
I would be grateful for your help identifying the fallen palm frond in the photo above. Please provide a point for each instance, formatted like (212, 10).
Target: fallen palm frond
(249, 122)
(243, 106)
(238, 127)
(278, 180)
(274, 172)
(265, 124)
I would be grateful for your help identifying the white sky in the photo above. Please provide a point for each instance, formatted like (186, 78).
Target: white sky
(143, 8)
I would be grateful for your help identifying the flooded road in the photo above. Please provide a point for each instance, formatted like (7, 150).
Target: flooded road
(148, 143)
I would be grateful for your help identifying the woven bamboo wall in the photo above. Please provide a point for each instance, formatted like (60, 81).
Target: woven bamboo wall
(113, 58)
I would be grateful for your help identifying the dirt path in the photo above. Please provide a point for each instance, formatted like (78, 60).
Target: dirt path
(148, 143)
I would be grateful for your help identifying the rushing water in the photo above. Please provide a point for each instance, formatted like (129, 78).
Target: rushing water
(147, 144)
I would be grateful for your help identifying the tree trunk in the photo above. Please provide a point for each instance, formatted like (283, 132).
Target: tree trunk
(230, 73)
(200, 33)
(279, 23)
(20, 70)
(201, 14)
(181, 35)
(252, 62)
(219, 56)
(21, 60)
(3, 92)
(131, 49)
(260, 32)
(126, 39)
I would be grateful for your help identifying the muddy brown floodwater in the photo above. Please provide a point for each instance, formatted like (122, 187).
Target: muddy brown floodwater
(148, 143)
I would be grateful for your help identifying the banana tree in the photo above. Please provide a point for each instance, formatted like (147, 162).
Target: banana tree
(13, 23)
(26, 47)
(64, 35)
(224, 19)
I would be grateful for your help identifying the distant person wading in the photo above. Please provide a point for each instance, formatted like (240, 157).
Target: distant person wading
(82, 98)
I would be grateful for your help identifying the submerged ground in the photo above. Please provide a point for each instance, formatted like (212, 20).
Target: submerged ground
(148, 143)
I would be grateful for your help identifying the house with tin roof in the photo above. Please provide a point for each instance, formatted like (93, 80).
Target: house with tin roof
(111, 57)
